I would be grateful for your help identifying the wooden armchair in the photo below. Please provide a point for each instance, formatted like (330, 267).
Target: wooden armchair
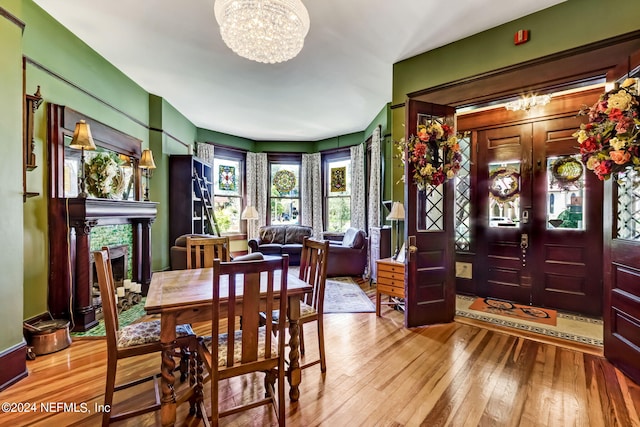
(253, 348)
(133, 340)
(201, 251)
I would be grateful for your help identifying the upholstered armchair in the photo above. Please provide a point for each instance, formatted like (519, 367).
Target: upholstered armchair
(347, 252)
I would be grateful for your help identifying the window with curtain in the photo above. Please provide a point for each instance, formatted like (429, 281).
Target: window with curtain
(337, 191)
(284, 193)
(228, 189)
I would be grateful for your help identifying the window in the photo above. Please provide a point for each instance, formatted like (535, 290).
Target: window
(228, 189)
(337, 180)
(284, 196)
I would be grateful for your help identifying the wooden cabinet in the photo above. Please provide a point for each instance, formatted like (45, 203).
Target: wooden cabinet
(379, 247)
(186, 210)
(390, 281)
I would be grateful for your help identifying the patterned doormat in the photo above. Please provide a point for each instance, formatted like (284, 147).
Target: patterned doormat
(519, 311)
(343, 295)
(572, 327)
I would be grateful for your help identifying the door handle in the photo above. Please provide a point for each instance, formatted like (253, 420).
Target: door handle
(524, 241)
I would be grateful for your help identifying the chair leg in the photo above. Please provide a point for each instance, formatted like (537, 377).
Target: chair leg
(269, 383)
(323, 362)
(301, 334)
(108, 391)
(185, 356)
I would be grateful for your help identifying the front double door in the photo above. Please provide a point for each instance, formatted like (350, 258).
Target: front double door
(539, 222)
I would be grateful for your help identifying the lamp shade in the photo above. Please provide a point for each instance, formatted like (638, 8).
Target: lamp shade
(82, 137)
(249, 213)
(146, 162)
(397, 212)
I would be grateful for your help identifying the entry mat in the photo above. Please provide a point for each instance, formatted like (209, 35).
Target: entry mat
(519, 311)
(570, 326)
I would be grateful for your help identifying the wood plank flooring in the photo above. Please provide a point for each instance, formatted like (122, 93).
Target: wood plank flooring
(379, 374)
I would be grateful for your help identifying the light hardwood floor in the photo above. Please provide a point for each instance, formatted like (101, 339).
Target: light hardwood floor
(379, 374)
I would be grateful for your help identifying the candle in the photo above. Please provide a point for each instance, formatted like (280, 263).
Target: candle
(116, 299)
(120, 291)
(127, 283)
(138, 288)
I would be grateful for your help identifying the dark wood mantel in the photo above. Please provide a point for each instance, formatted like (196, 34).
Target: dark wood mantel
(71, 219)
(84, 214)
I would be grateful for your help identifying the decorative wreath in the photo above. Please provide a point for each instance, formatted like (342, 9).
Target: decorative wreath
(104, 177)
(500, 192)
(434, 154)
(566, 170)
(284, 181)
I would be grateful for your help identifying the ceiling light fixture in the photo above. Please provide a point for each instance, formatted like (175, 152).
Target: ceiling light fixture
(268, 31)
(525, 103)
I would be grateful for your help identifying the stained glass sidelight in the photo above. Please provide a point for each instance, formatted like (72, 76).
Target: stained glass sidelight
(628, 219)
(463, 197)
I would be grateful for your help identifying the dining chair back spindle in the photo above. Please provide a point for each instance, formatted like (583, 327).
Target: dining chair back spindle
(231, 352)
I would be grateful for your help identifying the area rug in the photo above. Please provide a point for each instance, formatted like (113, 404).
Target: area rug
(572, 327)
(510, 309)
(343, 295)
(125, 318)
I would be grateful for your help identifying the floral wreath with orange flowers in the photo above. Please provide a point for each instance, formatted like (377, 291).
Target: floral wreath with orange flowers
(434, 154)
(609, 142)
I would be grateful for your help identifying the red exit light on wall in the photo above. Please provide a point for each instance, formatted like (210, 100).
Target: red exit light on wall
(520, 37)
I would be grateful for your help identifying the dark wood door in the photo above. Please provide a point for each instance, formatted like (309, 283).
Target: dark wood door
(622, 260)
(539, 231)
(430, 281)
(505, 204)
(566, 271)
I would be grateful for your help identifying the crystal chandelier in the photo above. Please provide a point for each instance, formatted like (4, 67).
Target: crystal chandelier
(268, 31)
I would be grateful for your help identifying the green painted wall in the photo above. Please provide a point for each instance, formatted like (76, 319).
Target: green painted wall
(565, 26)
(11, 259)
(68, 73)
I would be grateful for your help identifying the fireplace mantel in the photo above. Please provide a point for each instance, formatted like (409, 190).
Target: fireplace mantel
(74, 264)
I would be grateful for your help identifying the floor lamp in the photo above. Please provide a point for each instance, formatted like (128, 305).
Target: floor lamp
(250, 214)
(396, 215)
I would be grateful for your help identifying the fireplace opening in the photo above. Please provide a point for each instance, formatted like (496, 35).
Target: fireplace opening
(118, 257)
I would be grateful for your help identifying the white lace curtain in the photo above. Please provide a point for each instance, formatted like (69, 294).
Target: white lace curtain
(257, 190)
(311, 192)
(358, 204)
(375, 195)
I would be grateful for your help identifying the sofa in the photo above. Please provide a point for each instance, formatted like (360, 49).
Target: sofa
(281, 239)
(347, 252)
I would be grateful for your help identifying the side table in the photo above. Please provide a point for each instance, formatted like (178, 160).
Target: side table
(390, 281)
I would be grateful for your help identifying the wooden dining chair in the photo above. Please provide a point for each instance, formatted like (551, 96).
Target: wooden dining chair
(313, 270)
(234, 352)
(133, 340)
(201, 251)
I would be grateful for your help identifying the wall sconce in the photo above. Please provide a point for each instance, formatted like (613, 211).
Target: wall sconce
(147, 165)
(396, 215)
(82, 140)
(525, 103)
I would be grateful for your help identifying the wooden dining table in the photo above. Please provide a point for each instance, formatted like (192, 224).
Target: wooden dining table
(185, 296)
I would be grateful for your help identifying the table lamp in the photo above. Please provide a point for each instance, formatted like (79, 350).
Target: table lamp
(82, 140)
(147, 165)
(396, 215)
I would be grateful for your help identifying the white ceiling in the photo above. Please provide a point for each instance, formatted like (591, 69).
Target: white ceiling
(336, 85)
